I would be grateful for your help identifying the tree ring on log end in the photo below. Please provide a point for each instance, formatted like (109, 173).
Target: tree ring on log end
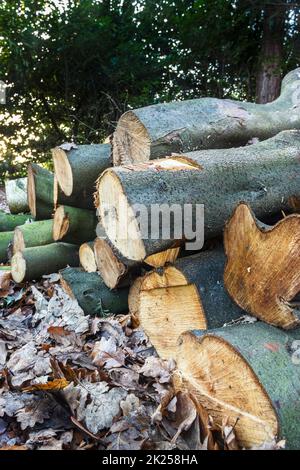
(63, 170)
(31, 191)
(18, 242)
(61, 223)
(18, 267)
(87, 258)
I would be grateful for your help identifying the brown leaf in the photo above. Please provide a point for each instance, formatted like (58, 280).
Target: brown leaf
(186, 414)
(57, 384)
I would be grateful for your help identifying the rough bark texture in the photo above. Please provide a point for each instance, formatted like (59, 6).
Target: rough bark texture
(188, 295)
(33, 263)
(77, 171)
(16, 195)
(78, 224)
(34, 234)
(269, 372)
(6, 238)
(218, 179)
(92, 294)
(9, 222)
(158, 130)
(271, 55)
(262, 273)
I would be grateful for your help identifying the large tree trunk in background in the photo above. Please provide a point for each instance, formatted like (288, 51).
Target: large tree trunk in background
(271, 57)
(245, 374)
(205, 123)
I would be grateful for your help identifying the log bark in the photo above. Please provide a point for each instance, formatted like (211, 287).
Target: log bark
(79, 225)
(6, 239)
(217, 179)
(187, 295)
(262, 273)
(40, 192)
(33, 234)
(16, 195)
(77, 171)
(92, 294)
(87, 257)
(159, 130)
(33, 263)
(8, 222)
(248, 374)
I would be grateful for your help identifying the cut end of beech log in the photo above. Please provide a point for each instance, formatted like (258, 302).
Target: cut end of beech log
(87, 257)
(31, 198)
(61, 223)
(18, 267)
(163, 257)
(223, 382)
(262, 273)
(18, 242)
(111, 268)
(131, 141)
(63, 170)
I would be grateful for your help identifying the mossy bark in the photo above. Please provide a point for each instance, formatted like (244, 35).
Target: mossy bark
(9, 222)
(16, 195)
(6, 238)
(80, 224)
(92, 294)
(33, 234)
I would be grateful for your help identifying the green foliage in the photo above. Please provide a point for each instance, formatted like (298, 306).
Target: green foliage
(73, 66)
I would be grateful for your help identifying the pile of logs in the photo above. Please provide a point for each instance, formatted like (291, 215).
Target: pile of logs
(242, 162)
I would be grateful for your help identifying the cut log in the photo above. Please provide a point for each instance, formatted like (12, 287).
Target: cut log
(40, 192)
(262, 273)
(33, 234)
(184, 126)
(92, 294)
(16, 195)
(217, 179)
(248, 374)
(78, 224)
(77, 171)
(33, 263)
(87, 257)
(188, 295)
(8, 222)
(6, 240)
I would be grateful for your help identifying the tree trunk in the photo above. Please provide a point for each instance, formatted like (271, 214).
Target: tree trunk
(77, 171)
(186, 296)
(217, 179)
(79, 225)
(9, 222)
(87, 257)
(184, 126)
(16, 195)
(6, 239)
(262, 273)
(248, 375)
(92, 294)
(33, 234)
(33, 263)
(271, 56)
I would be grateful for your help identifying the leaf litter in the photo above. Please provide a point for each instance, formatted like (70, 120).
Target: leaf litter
(71, 381)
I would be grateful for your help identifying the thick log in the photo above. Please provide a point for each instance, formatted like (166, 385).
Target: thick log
(33, 263)
(78, 224)
(217, 179)
(9, 222)
(206, 123)
(92, 294)
(188, 295)
(87, 257)
(16, 195)
(6, 239)
(248, 375)
(33, 234)
(262, 273)
(78, 169)
(40, 192)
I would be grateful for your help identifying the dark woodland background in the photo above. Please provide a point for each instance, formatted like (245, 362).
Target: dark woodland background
(72, 67)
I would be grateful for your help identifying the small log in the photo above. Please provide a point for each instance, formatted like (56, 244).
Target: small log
(33, 263)
(206, 123)
(78, 224)
(33, 234)
(188, 295)
(16, 195)
(217, 179)
(78, 169)
(247, 374)
(92, 294)
(262, 273)
(8, 222)
(40, 192)
(87, 257)
(6, 240)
